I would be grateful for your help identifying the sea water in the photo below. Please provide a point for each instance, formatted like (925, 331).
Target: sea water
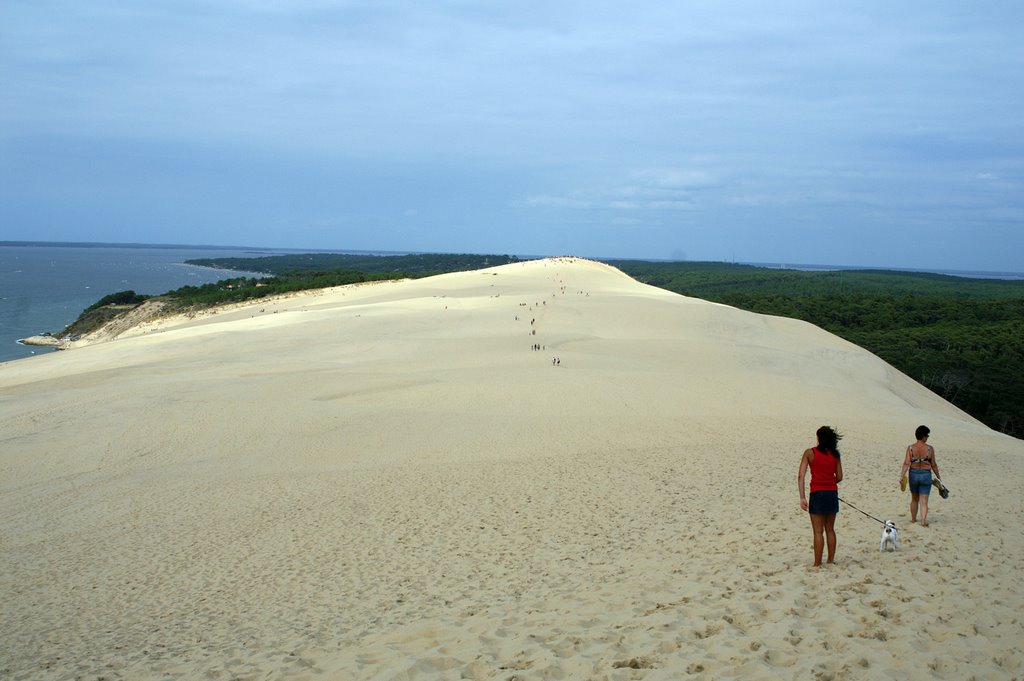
(43, 288)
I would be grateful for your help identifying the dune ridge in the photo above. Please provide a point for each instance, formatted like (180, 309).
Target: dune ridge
(387, 482)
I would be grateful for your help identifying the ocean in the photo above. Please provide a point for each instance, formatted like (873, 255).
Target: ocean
(46, 287)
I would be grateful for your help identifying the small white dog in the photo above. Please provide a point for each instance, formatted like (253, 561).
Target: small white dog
(890, 537)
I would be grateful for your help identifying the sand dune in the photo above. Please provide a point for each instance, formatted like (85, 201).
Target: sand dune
(387, 482)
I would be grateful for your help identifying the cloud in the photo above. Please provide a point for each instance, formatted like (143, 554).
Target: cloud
(678, 179)
(510, 119)
(663, 189)
(548, 201)
(625, 199)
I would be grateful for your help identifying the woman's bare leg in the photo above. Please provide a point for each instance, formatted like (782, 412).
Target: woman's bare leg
(913, 507)
(818, 527)
(924, 510)
(830, 536)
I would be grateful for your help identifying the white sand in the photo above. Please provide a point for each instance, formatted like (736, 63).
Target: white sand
(386, 482)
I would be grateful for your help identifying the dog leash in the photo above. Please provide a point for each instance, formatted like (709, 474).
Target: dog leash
(857, 509)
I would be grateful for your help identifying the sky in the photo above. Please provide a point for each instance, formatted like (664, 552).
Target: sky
(837, 133)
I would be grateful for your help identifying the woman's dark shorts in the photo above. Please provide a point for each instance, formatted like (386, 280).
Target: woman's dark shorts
(920, 480)
(824, 502)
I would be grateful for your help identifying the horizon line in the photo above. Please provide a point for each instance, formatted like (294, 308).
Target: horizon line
(382, 252)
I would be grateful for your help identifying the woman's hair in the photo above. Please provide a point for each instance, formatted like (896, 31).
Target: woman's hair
(828, 440)
(922, 432)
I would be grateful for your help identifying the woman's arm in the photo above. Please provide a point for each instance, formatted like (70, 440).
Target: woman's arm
(801, 474)
(906, 464)
(839, 470)
(935, 465)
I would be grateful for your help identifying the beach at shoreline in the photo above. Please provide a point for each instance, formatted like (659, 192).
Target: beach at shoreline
(387, 481)
(46, 287)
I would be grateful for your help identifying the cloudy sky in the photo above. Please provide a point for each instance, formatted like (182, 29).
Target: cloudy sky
(869, 133)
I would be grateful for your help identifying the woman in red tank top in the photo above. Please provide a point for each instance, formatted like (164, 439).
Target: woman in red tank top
(826, 472)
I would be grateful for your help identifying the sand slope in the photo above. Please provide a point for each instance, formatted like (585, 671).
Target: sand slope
(387, 482)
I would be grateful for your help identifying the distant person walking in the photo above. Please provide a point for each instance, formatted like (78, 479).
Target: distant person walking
(826, 473)
(919, 463)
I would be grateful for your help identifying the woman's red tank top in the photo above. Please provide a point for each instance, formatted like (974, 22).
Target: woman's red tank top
(823, 471)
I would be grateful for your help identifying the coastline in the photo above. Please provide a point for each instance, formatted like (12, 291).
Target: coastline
(152, 316)
(46, 287)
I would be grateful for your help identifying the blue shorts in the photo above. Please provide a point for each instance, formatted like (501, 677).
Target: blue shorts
(824, 502)
(920, 480)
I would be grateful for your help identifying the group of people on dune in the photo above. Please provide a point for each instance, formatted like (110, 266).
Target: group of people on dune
(826, 467)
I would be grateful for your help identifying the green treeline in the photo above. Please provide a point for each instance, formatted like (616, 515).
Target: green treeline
(250, 288)
(222, 292)
(119, 298)
(306, 271)
(291, 273)
(416, 265)
(961, 338)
